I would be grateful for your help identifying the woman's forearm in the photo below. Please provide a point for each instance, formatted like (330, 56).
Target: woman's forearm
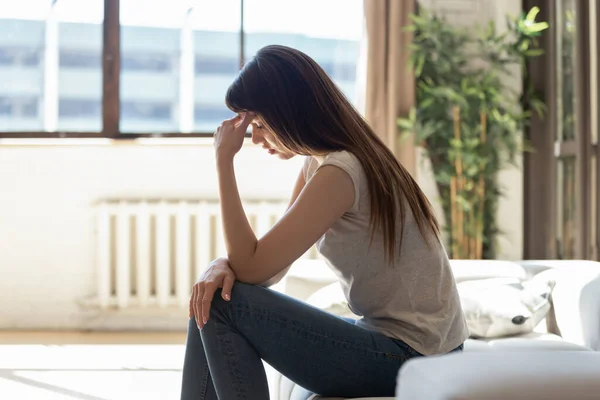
(240, 239)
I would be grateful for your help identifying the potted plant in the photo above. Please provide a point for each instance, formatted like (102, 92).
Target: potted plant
(468, 118)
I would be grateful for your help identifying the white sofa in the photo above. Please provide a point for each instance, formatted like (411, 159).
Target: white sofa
(571, 325)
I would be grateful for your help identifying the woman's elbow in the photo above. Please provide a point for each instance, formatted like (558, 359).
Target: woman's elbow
(246, 274)
(254, 276)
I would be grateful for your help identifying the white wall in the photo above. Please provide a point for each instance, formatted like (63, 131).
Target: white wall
(46, 226)
(510, 212)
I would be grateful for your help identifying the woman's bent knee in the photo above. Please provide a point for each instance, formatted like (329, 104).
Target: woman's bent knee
(241, 293)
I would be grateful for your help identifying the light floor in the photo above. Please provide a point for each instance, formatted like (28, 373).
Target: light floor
(90, 366)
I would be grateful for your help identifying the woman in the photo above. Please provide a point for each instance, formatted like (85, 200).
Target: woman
(370, 221)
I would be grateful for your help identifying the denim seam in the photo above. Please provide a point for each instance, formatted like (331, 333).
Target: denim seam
(230, 355)
(204, 383)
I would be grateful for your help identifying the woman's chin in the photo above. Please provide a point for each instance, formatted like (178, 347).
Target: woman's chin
(284, 156)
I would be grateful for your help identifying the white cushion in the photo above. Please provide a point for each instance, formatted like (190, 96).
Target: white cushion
(528, 342)
(555, 375)
(341, 398)
(503, 306)
(468, 270)
(331, 299)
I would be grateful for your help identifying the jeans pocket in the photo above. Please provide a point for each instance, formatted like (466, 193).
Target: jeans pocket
(405, 352)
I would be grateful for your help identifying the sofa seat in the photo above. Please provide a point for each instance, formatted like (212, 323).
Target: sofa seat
(549, 375)
(361, 398)
(533, 341)
(530, 342)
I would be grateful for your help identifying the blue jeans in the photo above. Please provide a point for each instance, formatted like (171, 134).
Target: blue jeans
(318, 351)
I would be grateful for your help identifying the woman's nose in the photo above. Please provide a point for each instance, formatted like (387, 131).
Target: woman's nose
(257, 138)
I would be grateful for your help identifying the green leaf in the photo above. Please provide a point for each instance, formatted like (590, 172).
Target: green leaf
(426, 103)
(538, 27)
(456, 143)
(532, 14)
(405, 124)
(418, 19)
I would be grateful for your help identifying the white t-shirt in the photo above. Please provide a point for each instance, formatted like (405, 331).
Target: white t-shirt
(415, 299)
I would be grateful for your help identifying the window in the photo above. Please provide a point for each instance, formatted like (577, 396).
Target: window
(50, 51)
(168, 63)
(332, 42)
(561, 175)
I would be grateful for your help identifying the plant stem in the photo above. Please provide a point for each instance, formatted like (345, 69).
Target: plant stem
(459, 182)
(481, 190)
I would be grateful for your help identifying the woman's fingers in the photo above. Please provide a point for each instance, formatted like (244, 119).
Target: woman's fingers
(227, 286)
(243, 122)
(243, 119)
(209, 292)
(198, 305)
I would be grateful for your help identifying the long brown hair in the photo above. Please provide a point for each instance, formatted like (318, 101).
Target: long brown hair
(309, 116)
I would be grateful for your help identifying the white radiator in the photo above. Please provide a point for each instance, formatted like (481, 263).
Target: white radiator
(149, 254)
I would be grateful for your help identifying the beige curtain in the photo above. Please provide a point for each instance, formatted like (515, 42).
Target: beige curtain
(390, 88)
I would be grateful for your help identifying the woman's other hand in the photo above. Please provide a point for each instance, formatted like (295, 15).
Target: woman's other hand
(230, 135)
(218, 275)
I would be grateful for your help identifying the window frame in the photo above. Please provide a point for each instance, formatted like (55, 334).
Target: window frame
(111, 74)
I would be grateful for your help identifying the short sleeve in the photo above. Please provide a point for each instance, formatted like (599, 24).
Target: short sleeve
(348, 163)
(306, 167)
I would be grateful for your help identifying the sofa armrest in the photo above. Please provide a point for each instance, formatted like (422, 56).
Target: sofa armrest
(575, 300)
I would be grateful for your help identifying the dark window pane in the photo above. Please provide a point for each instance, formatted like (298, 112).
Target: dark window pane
(5, 106)
(80, 59)
(19, 56)
(31, 59)
(79, 108)
(144, 110)
(29, 108)
(204, 113)
(146, 62)
(340, 72)
(18, 107)
(6, 57)
(205, 65)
